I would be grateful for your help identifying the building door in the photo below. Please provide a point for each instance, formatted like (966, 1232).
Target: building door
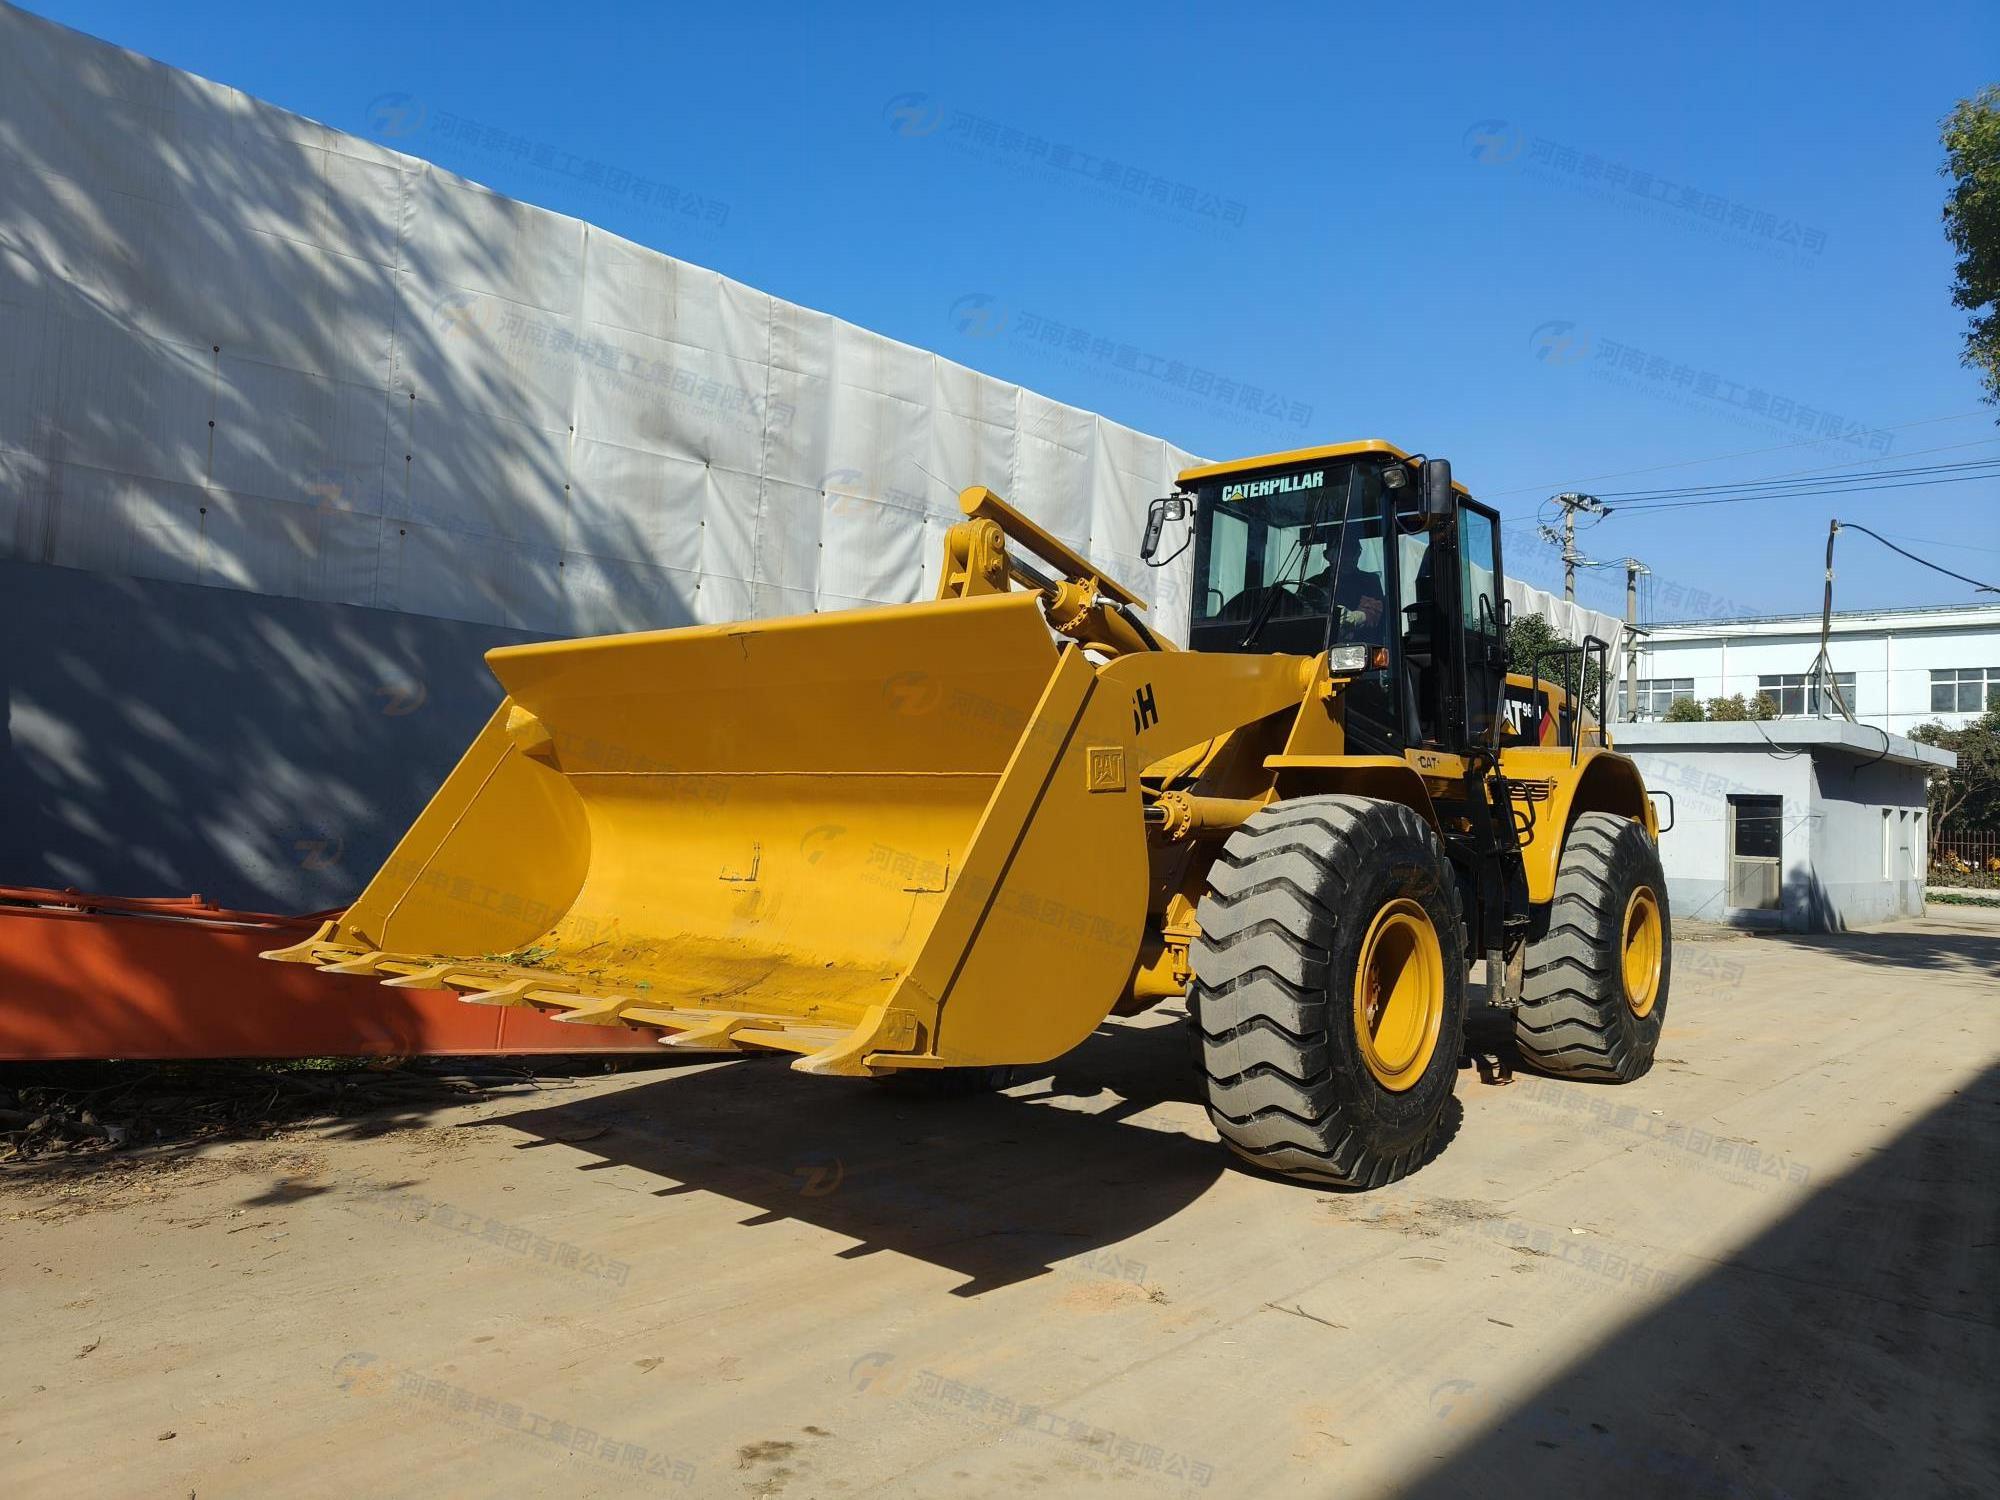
(1756, 852)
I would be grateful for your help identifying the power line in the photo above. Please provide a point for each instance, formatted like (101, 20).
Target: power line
(1931, 541)
(1846, 485)
(1746, 453)
(1984, 588)
(1849, 482)
(1859, 489)
(1804, 477)
(1828, 479)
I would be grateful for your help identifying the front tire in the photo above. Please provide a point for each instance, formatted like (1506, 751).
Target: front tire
(1594, 987)
(1329, 993)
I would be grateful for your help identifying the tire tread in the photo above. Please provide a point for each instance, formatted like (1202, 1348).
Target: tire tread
(1278, 892)
(1573, 1021)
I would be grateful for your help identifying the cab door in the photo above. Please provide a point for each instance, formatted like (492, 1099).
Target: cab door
(1481, 621)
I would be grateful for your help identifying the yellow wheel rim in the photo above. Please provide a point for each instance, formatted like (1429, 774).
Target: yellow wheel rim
(1643, 948)
(1399, 994)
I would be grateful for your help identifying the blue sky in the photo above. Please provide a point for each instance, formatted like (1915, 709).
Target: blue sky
(1576, 251)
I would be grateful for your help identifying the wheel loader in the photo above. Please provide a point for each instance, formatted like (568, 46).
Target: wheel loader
(951, 837)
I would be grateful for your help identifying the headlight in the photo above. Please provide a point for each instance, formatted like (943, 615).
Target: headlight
(1344, 659)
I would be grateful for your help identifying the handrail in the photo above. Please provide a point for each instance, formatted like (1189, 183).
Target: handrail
(1590, 645)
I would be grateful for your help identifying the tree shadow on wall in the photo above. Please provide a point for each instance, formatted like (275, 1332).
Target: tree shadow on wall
(266, 402)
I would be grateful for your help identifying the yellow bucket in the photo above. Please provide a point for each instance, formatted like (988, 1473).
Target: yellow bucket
(895, 837)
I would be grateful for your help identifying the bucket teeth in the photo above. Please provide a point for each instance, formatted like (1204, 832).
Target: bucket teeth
(884, 1028)
(366, 963)
(433, 978)
(818, 1047)
(716, 1033)
(307, 952)
(514, 992)
(606, 1011)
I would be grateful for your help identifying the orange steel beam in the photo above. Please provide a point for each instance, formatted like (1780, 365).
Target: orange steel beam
(92, 977)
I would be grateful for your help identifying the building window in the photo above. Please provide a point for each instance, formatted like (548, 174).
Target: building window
(1964, 690)
(1657, 694)
(1798, 694)
(1902, 854)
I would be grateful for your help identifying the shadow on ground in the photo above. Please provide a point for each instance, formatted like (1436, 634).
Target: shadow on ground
(997, 1187)
(1848, 1350)
(1923, 949)
(74, 1119)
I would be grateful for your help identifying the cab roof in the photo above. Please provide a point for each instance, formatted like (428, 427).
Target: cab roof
(1300, 456)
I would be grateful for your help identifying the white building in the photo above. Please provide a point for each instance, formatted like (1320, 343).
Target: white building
(1897, 668)
(1807, 825)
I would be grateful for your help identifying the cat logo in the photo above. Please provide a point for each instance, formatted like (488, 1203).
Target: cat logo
(1524, 716)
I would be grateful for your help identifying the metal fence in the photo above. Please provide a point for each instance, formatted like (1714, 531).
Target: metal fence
(1961, 852)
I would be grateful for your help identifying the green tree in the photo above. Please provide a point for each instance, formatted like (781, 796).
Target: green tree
(1972, 224)
(1529, 634)
(1683, 711)
(1966, 799)
(1735, 710)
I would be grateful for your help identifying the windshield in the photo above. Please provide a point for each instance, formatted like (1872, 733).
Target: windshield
(1278, 549)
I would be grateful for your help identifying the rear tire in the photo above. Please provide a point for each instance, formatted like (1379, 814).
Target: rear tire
(1329, 996)
(1594, 988)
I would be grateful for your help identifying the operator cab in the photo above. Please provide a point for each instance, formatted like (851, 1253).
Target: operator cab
(1365, 552)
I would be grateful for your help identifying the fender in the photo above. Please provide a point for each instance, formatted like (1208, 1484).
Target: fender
(1600, 781)
(1387, 777)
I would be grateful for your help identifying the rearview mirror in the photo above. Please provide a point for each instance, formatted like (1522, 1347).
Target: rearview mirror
(1438, 502)
(1166, 508)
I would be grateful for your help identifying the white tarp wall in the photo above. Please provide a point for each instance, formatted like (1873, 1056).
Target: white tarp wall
(243, 350)
(1573, 622)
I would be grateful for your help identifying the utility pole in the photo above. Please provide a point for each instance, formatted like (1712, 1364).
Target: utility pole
(1821, 677)
(1571, 502)
(1633, 568)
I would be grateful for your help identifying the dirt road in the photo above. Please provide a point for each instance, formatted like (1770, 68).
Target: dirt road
(1768, 1269)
